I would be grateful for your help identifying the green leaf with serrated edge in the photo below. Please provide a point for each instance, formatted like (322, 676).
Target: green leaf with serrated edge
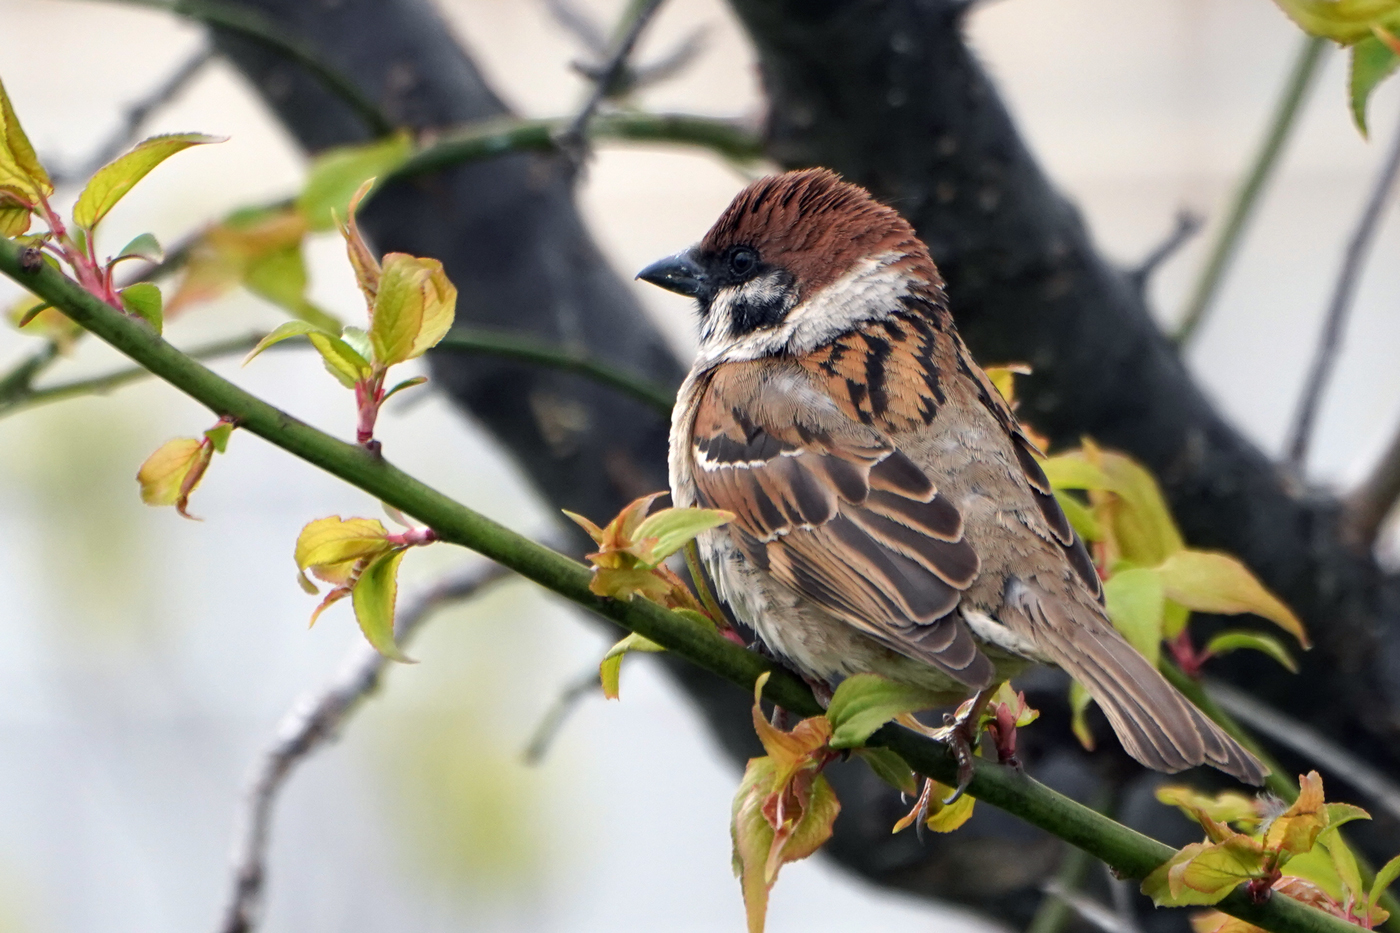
(333, 540)
(20, 168)
(336, 174)
(340, 358)
(1080, 518)
(1235, 639)
(1226, 807)
(1340, 814)
(143, 300)
(219, 435)
(890, 768)
(1165, 889)
(143, 246)
(1384, 879)
(752, 839)
(14, 219)
(672, 528)
(865, 702)
(373, 597)
(1344, 863)
(610, 668)
(413, 308)
(1372, 61)
(1134, 601)
(1174, 618)
(1207, 581)
(116, 178)
(163, 473)
(283, 332)
(406, 384)
(1079, 700)
(1220, 867)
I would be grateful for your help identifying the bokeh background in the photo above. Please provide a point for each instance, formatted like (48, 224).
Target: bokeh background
(145, 660)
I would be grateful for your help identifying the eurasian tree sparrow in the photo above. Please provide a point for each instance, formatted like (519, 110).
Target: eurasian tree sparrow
(891, 515)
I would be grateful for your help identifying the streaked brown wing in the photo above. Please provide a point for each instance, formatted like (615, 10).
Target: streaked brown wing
(831, 508)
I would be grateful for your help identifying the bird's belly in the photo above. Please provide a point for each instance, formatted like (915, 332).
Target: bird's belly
(819, 645)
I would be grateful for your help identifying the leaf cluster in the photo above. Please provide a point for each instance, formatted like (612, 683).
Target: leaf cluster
(1370, 28)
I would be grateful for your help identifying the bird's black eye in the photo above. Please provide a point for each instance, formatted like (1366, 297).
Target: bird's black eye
(742, 262)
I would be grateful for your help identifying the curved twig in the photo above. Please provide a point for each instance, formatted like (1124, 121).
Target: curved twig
(314, 720)
(249, 23)
(1242, 205)
(1339, 309)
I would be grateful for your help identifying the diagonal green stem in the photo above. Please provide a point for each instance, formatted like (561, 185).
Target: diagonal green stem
(1126, 850)
(1246, 198)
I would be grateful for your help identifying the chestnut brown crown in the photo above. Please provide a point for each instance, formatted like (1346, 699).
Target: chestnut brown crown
(780, 244)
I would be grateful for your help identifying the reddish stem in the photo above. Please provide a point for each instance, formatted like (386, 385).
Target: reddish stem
(369, 395)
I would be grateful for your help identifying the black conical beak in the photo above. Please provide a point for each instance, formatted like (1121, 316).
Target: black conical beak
(680, 273)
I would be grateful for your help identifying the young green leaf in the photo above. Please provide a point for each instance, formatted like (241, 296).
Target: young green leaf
(340, 358)
(1372, 61)
(169, 475)
(610, 669)
(1346, 22)
(413, 308)
(336, 174)
(1384, 879)
(1234, 639)
(1135, 599)
(21, 173)
(367, 271)
(1079, 701)
(219, 434)
(14, 217)
(672, 528)
(143, 300)
(373, 596)
(1208, 581)
(1226, 807)
(143, 246)
(282, 332)
(116, 178)
(406, 384)
(865, 702)
(332, 541)
(890, 768)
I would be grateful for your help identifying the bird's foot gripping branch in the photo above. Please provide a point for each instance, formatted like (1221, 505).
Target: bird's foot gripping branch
(60, 268)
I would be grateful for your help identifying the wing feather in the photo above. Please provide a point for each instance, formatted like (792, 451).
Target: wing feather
(833, 509)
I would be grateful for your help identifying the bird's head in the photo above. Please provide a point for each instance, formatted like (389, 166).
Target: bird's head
(794, 261)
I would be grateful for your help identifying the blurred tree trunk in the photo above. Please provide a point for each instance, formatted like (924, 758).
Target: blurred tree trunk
(888, 94)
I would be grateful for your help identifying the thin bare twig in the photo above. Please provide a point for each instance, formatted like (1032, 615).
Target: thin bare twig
(1246, 197)
(1188, 224)
(580, 25)
(1340, 307)
(638, 14)
(1100, 916)
(558, 712)
(135, 115)
(313, 721)
(1365, 508)
(1311, 744)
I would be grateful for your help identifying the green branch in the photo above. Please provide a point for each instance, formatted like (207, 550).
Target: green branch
(253, 25)
(1246, 198)
(728, 138)
(24, 395)
(1129, 852)
(513, 347)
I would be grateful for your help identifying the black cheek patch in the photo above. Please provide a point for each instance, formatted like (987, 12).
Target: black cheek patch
(754, 309)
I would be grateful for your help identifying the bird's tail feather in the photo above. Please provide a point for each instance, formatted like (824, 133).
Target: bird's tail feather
(1156, 724)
